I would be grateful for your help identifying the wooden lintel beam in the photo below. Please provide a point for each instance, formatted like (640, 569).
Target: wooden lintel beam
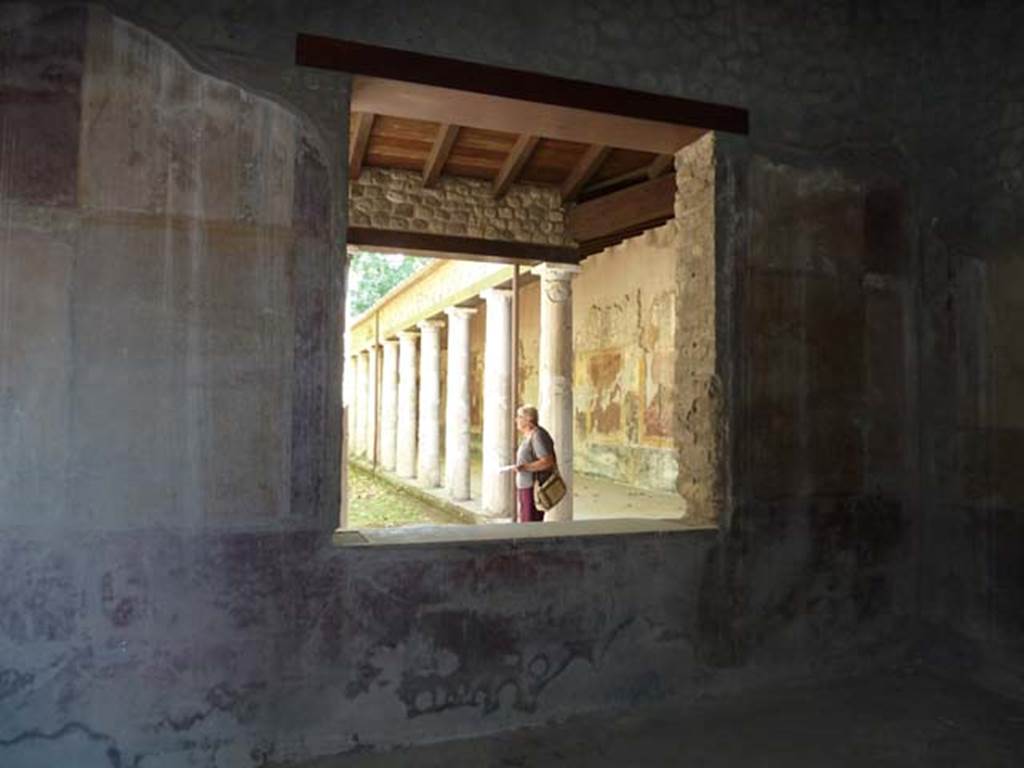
(442, 147)
(659, 165)
(623, 210)
(471, 248)
(587, 166)
(371, 61)
(358, 142)
(517, 158)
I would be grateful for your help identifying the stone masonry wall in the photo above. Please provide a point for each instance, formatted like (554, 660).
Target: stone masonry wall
(386, 198)
(698, 427)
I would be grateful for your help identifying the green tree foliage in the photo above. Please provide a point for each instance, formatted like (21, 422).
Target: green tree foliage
(371, 275)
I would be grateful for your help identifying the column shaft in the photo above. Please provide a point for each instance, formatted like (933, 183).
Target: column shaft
(496, 490)
(405, 459)
(371, 402)
(457, 412)
(359, 438)
(351, 408)
(556, 372)
(389, 404)
(428, 461)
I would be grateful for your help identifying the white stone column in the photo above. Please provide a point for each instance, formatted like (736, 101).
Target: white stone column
(428, 459)
(359, 438)
(496, 490)
(371, 438)
(456, 410)
(556, 371)
(405, 456)
(389, 404)
(351, 373)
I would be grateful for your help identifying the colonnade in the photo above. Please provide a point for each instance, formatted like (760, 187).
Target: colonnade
(403, 430)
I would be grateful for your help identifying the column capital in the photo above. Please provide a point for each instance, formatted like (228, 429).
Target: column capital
(460, 311)
(496, 293)
(387, 341)
(556, 271)
(408, 335)
(426, 325)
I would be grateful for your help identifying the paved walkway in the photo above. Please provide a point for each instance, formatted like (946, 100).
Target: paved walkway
(594, 498)
(883, 721)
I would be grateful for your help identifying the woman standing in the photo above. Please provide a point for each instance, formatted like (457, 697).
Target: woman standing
(534, 459)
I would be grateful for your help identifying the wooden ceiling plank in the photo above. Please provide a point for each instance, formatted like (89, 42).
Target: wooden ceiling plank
(446, 135)
(517, 158)
(474, 110)
(358, 142)
(585, 169)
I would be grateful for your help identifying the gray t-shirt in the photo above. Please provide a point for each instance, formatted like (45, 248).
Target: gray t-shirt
(538, 445)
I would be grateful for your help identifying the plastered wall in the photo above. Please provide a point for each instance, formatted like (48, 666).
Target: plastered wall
(131, 633)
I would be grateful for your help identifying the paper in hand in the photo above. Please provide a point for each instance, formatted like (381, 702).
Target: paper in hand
(507, 468)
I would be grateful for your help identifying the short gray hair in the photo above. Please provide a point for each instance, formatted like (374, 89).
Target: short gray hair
(528, 412)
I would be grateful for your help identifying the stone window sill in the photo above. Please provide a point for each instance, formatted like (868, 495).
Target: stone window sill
(433, 535)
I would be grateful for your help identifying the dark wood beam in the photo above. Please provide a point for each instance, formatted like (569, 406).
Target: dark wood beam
(472, 248)
(358, 142)
(587, 166)
(656, 168)
(393, 64)
(590, 247)
(446, 135)
(616, 181)
(619, 211)
(659, 165)
(514, 163)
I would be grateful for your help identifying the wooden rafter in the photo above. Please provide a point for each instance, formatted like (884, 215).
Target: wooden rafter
(587, 166)
(446, 135)
(358, 142)
(651, 171)
(517, 158)
(659, 165)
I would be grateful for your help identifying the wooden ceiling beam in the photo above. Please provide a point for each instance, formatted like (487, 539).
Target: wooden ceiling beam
(659, 165)
(470, 248)
(651, 171)
(517, 158)
(358, 142)
(371, 61)
(623, 210)
(443, 143)
(593, 158)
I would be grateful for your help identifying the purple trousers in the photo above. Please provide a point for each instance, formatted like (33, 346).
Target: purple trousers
(528, 512)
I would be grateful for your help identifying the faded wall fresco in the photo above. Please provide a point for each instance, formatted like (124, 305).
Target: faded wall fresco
(179, 225)
(624, 336)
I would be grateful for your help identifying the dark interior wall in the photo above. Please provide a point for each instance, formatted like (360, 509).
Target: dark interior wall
(972, 377)
(168, 598)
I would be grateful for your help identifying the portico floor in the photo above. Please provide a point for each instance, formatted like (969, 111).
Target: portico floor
(594, 498)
